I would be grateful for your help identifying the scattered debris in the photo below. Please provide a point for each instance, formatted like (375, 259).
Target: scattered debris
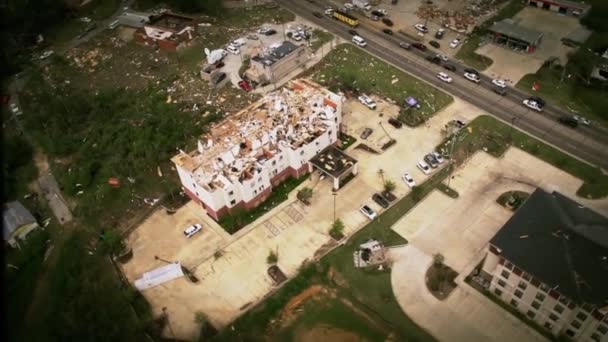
(370, 253)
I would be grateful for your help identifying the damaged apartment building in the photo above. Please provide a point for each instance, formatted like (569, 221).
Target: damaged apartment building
(243, 157)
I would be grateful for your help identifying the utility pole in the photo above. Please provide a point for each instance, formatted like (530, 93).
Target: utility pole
(452, 158)
(385, 132)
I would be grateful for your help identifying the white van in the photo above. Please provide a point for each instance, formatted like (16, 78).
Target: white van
(359, 41)
(113, 25)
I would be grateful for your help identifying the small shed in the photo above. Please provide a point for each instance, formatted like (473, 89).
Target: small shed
(17, 223)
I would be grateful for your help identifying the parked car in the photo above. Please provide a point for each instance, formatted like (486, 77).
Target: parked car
(383, 202)
(442, 57)
(372, 17)
(408, 180)
(419, 46)
(568, 121)
(354, 33)
(424, 167)
(388, 31)
(245, 86)
(395, 123)
(431, 161)
(270, 32)
(296, 36)
(444, 77)
(368, 212)
(582, 120)
(366, 133)
(387, 22)
(383, 11)
(193, 229)
(459, 123)
(378, 13)
(349, 6)
(499, 83)
(454, 43)
(532, 105)
(438, 157)
(405, 45)
(421, 28)
(450, 67)
(499, 90)
(434, 44)
(367, 101)
(472, 77)
(318, 15)
(439, 33)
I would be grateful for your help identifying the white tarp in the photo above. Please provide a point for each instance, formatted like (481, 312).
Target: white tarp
(159, 275)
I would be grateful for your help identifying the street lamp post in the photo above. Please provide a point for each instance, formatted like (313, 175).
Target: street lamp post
(385, 132)
(335, 194)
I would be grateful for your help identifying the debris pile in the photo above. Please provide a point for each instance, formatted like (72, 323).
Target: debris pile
(461, 19)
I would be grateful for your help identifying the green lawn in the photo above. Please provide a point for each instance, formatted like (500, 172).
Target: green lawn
(349, 68)
(319, 37)
(255, 16)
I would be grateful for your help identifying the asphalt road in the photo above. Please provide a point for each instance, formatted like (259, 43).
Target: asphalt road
(589, 144)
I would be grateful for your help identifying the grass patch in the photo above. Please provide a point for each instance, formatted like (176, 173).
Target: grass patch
(513, 198)
(440, 280)
(346, 141)
(447, 190)
(352, 69)
(239, 218)
(319, 37)
(255, 16)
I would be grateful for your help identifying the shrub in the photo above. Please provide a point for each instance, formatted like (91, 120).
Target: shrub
(337, 229)
(272, 258)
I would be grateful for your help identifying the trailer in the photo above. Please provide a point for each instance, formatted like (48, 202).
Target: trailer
(346, 18)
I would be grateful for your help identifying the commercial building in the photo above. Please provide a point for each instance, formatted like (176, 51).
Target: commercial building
(167, 31)
(276, 62)
(600, 70)
(550, 262)
(574, 8)
(242, 158)
(506, 32)
(17, 223)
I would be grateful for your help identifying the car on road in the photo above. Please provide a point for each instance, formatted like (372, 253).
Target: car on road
(444, 77)
(499, 90)
(380, 200)
(532, 105)
(472, 77)
(318, 15)
(582, 120)
(408, 180)
(424, 167)
(349, 6)
(359, 41)
(471, 71)
(499, 83)
(47, 54)
(387, 22)
(438, 157)
(405, 45)
(421, 28)
(538, 100)
(367, 101)
(245, 86)
(442, 57)
(377, 13)
(434, 44)
(329, 12)
(366, 133)
(354, 33)
(388, 31)
(431, 161)
(439, 33)
(568, 121)
(372, 17)
(193, 229)
(450, 67)
(419, 46)
(433, 59)
(368, 212)
(454, 43)
(395, 123)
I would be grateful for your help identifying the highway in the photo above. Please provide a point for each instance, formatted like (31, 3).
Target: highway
(587, 143)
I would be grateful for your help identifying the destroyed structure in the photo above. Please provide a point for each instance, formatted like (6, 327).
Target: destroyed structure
(167, 31)
(243, 157)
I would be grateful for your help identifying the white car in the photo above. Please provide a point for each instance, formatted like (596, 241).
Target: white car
(408, 180)
(424, 167)
(233, 49)
(472, 77)
(238, 42)
(329, 12)
(296, 36)
(349, 6)
(263, 30)
(367, 101)
(438, 157)
(368, 212)
(383, 11)
(532, 105)
(367, 7)
(454, 43)
(499, 83)
(47, 54)
(193, 229)
(421, 28)
(444, 77)
(582, 120)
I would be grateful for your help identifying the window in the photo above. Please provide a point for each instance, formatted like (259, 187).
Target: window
(233, 202)
(330, 132)
(581, 316)
(596, 337)
(602, 329)
(518, 293)
(536, 305)
(194, 185)
(570, 333)
(317, 143)
(548, 325)
(558, 308)
(255, 192)
(498, 292)
(274, 162)
(526, 277)
(553, 317)
(280, 157)
(544, 288)
(505, 274)
(502, 283)
(259, 179)
(531, 314)
(514, 302)
(196, 194)
(509, 265)
(563, 300)
(576, 324)
(588, 308)
(231, 193)
(540, 296)
(261, 188)
(522, 285)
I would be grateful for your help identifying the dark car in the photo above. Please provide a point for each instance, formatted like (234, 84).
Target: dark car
(394, 2)
(377, 13)
(450, 67)
(388, 31)
(433, 59)
(395, 123)
(568, 121)
(439, 33)
(318, 15)
(353, 32)
(366, 133)
(419, 46)
(459, 123)
(270, 32)
(434, 44)
(431, 161)
(383, 202)
(538, 100)
(405, 45)
(499, 90)
(387, 22)
(471, 71)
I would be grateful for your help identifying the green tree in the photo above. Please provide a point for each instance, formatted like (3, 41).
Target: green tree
(389, 186)
(438, 259)
(272, 258)
(581, 62)
(305, 194)
(337, 229)
(417, 193)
